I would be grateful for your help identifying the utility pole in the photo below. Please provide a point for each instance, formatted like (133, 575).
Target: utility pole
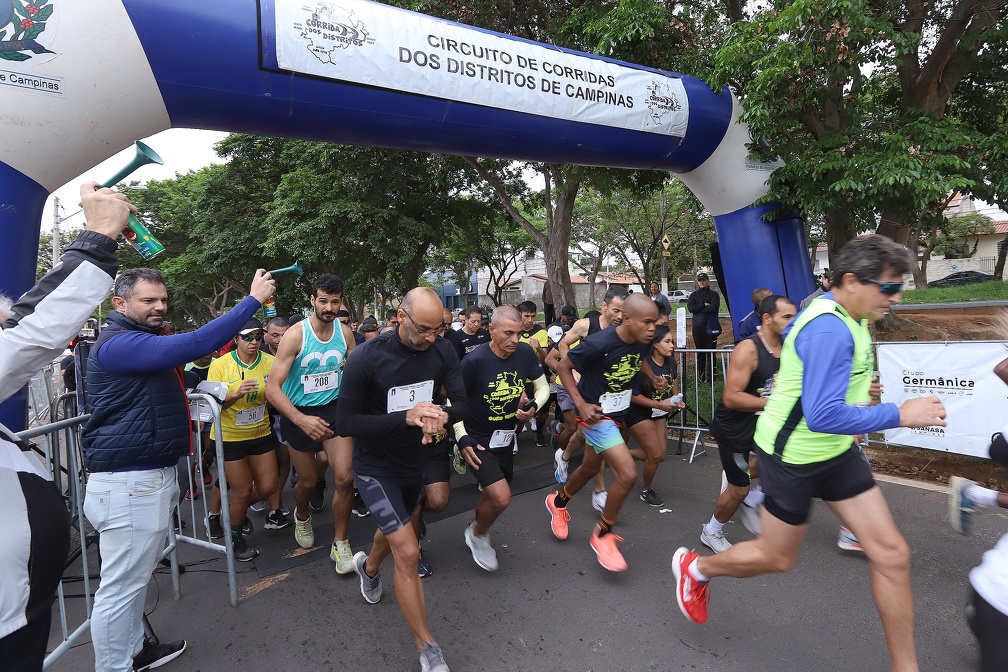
(55, 232)
(664, 264)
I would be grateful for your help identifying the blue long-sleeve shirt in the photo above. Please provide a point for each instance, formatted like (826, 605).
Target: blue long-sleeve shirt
(826, 348)
(138, 352)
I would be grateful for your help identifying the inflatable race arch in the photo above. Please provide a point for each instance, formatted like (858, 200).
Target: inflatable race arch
(80, 81)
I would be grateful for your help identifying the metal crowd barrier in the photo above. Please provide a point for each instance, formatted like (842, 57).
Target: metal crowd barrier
(701, 382)
(61, 452)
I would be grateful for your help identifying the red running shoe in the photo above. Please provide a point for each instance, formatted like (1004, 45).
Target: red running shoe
(605, 549)
(558, 517)
(692, 595)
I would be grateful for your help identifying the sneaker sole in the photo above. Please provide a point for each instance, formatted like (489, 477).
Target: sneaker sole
(848, 546)
(955, 504)
(656, 505)
(248, 559)
(281, 526)
(677, 573)
(163, 661)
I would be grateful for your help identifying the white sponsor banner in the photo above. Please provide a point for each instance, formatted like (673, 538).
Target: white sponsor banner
(390, 48)
(961, 375)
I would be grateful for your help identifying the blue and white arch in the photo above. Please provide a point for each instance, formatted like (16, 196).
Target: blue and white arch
(106, 72)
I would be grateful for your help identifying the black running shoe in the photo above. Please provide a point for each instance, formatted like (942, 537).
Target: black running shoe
(423, 569)
(317, 500)
(214, 528)
(359, 507)
(276, 520)
(651, 498)
(247, 527)
(156, 655)
(242, 551)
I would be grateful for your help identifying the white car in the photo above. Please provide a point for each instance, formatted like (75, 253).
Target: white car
(678, 296)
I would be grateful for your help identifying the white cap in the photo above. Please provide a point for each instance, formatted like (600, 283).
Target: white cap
(555, 333)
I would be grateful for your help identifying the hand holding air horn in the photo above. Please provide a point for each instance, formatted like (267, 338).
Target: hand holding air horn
(136, 232)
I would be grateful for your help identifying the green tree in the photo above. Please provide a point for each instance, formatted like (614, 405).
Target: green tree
(862, 100)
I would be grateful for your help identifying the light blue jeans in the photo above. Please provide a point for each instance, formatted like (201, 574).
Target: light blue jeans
(131, 511)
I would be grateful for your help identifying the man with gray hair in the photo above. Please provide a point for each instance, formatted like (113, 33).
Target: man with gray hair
(822, 397)
(495, 376)
(34, 330)
(138, 429)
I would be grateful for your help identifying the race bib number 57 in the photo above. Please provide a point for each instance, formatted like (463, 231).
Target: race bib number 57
(405, 397)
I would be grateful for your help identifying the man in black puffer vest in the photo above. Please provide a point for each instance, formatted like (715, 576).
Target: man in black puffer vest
(138, 430)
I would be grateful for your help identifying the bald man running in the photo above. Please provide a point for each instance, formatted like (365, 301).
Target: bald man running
(608, 361)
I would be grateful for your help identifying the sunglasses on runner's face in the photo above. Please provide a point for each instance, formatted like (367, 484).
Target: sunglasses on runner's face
(251, 337)
(888, 288)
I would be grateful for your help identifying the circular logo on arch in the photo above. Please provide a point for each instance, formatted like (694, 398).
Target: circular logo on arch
(27, 29)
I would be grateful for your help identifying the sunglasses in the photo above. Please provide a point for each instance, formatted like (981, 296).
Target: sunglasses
(250, 337)
(887, 288)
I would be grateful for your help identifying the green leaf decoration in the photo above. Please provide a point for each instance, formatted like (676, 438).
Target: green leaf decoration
(32, 33)
(3, 34)
(14, 56)
(21, 10)
(44, 13)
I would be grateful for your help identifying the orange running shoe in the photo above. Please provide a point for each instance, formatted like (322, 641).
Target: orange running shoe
(691, 594)
(558, 517)
(605, 548)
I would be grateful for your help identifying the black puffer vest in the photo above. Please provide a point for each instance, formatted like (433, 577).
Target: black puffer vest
(137, 422)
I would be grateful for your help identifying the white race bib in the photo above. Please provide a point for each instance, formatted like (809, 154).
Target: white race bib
(250, 416)
(502, 438)
(657, 412)
(614, 402)
(405, 397)
(320, 382)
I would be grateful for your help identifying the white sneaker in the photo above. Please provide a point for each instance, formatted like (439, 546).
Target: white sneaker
(304, 533)
(750, 517)
(341, 554)
(259, 506)
(482, 552)
(562, 466)
(716, 542)
(599, 500)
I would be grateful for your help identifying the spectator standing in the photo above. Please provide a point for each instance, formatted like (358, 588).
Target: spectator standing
(704, 303)
(35, 527)
(825, 284)
(750, 324)
(660, 298)
(549, 311)
(138, 430)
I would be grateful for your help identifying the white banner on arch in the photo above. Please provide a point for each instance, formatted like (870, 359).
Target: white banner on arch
(961, 375)
(377, 45)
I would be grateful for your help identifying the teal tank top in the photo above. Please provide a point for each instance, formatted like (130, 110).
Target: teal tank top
(314, 377)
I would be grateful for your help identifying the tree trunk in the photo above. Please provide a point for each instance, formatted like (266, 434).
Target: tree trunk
(999, 266)
(893, 225)
(839, 232)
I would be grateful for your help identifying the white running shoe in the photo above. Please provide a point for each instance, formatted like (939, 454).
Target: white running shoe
(750, 517)
(599, 500)
(716, 542)
(562, 466)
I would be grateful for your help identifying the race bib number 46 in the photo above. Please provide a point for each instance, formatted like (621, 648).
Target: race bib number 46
(405, 397)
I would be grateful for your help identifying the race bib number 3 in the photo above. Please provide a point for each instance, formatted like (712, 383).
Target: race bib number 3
(250, 416)
(615, 402)
(320, 382)
(405, 397)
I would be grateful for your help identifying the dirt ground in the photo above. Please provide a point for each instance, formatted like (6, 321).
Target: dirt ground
(952, 324)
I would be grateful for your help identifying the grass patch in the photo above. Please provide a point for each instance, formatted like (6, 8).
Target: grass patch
(983, 291)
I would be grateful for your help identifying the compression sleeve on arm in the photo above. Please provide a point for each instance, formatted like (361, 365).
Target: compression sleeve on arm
(542, 392)
(826, 348)
(137, 352)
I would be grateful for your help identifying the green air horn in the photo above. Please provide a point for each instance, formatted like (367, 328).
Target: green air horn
(136, 232)
(293, 268)
(143, 156)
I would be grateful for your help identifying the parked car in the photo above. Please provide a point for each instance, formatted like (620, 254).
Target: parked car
(960, 278)
(678, 296)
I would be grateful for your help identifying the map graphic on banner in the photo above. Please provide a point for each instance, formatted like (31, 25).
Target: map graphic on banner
(377, 45)
(961, 375)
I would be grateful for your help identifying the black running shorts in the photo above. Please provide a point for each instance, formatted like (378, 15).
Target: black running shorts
(790, 488)
(295, 436)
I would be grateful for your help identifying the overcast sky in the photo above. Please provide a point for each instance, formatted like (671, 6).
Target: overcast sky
(182, 150)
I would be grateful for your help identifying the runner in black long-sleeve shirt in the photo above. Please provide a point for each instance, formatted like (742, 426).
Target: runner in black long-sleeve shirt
(386, 406)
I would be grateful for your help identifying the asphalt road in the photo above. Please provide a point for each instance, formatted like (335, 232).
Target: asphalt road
(552, 607)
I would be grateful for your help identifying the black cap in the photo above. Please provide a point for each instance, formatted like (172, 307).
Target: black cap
(568, 311)
(342, 312)
(702, 276)
(252, 325)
